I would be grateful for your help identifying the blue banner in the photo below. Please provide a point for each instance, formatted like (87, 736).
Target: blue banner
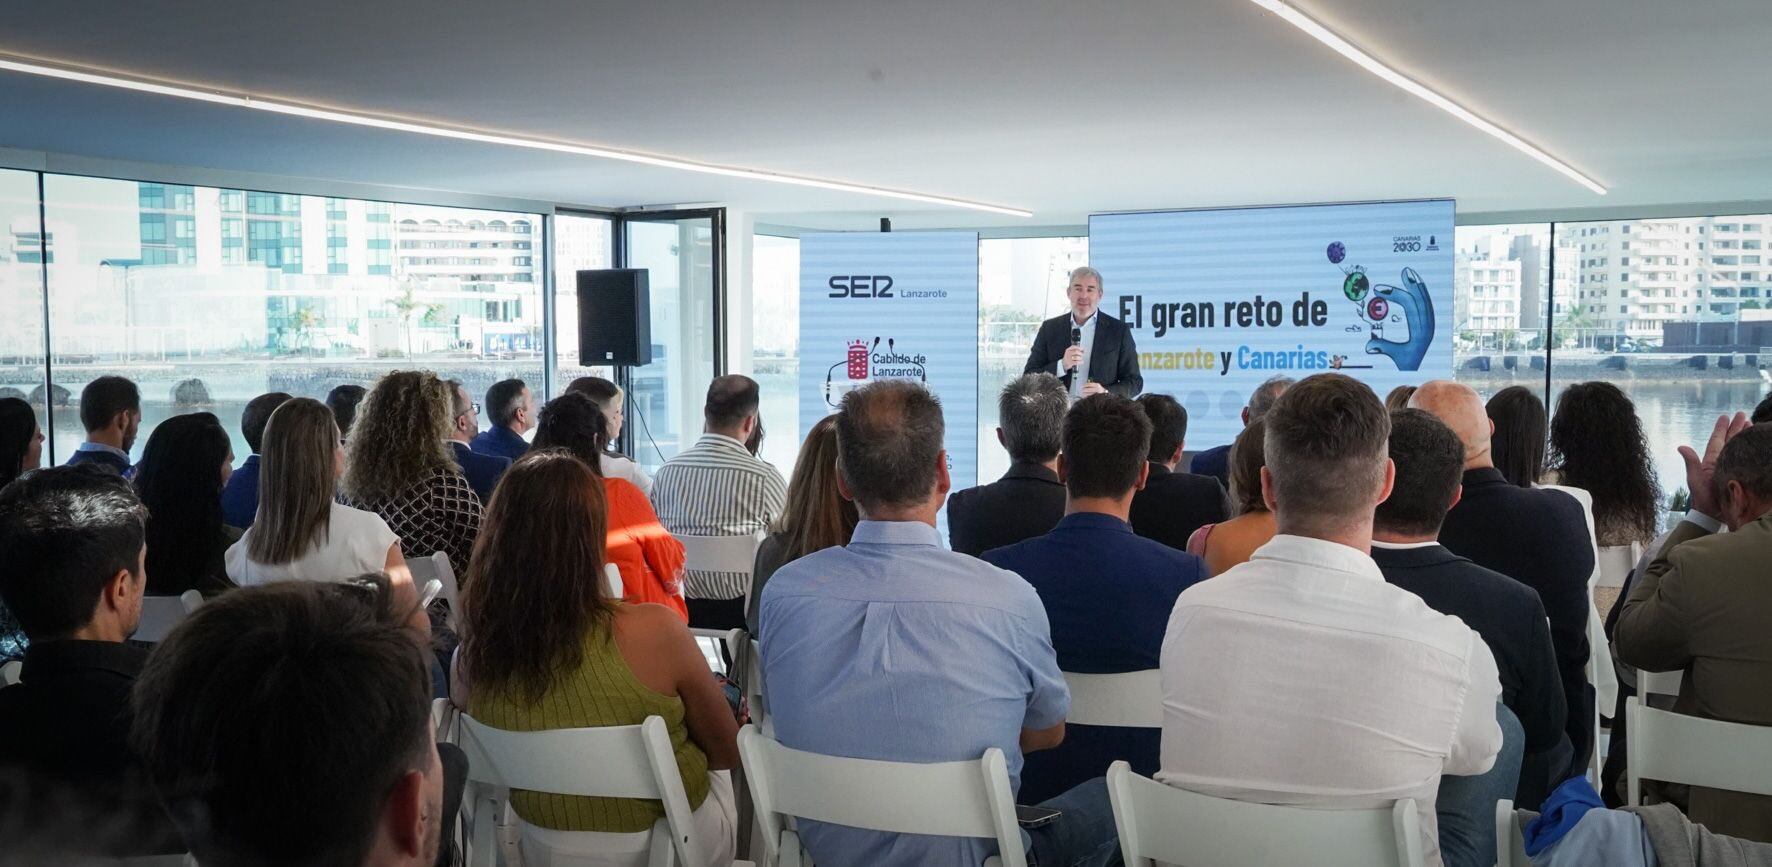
(893, 305)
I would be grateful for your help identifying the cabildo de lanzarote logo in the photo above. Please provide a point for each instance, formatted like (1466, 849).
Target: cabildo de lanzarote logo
(864, 362)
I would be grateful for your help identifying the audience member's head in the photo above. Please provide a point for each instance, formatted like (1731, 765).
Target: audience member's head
(75, 543)
(754, 442)
(21, 439)
(180, 478)
(1106, 440)
(1030, 418)
(302, 461)
(534, 589)
(574, 423)
(889, 450)
(290, 724)
(1168, 427)
(343, 401)
(1247, 457)
(1262, 399)
(1328, 459)
(510, 405)
(1743, 479)
(1762, 411)
(606, 395)
(817, 516)
(190, 394)
(1597, 444)
(399, 438)
(1430, 474)
(1521, 431)
(258, 414)
(1459, 407)
(1399, 397)
(464, 420)
(111, 411)
(731, 407)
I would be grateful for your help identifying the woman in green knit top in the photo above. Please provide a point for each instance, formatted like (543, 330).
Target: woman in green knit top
(544, 647)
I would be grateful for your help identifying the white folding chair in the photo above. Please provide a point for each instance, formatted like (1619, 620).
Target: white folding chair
(723, 554)
(436, 567)
(612, 580)
(1616, 561)
(1130, 700)
(1660, 682)
(720, 645)
(1676, 748)
(945, 799)
(160, 614)
(604, 762)
(1159, 823)
(751, 669)
(1510, 838)
(9, 672)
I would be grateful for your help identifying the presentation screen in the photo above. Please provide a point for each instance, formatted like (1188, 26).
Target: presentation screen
(1221, 300)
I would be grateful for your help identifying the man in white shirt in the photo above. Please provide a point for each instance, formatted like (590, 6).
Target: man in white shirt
(1301, 677)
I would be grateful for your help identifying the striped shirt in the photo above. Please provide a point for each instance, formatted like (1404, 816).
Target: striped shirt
(717, 488)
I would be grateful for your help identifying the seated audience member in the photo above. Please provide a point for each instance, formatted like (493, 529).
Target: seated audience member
(1221, 546)
(1301, 677)
(1597, 444)
(1762, 410)
(1430, 461)
(111, 412)
(718, 488)
(291, 724)
(1398, 398)
(21, 439)
(1172, 505)
(240, 497)
(343, 401)
(609, 398)
(1215, 462)
(302, 532)
(1703, 606)
(650, 559)
(190, 395)
(1029, 499)
(1107, 592)
(398, 464)
(544, 647)
(1521, 430)
(754, 443)
(817, 515)
(893, 648)
(185, 465)
(512, 410)
(74, 543)
(482, 471)
(1536, 537)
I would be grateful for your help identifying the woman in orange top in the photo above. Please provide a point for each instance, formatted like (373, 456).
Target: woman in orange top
(649, 557)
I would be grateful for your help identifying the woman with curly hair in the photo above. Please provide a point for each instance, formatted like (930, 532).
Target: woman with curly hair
(1597, 444)
(399, 465)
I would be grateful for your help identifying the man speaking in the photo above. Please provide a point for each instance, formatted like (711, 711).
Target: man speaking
(1091, 352)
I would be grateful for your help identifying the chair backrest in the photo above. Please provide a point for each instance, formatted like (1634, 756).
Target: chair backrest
(944, 799)
(1616, 561)
(1159, 823)
(721, 648)
(437, 566)
(612, 580)
(723, 554)
(603, 762)
(1132, 700)
(1510, 838)
(1676, 748)
(1660, 682)
(9, 672)
(160, 614)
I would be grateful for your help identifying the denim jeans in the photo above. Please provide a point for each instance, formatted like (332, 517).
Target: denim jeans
(1083, 834)
(1465, 806)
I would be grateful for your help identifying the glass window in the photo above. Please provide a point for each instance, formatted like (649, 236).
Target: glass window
(775, 345)
(581, 243)
(664, 407)
(1021, 283)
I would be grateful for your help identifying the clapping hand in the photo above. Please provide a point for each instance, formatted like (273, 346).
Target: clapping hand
(1701, 469)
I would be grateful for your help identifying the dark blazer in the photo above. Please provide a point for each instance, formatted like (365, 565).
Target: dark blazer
(1107, 594)
(1539, 538)
(1114, 358)
(500, 441)
(1025, 503)
(482, 471)
(240, 497)
(1214, 462)
(1173, 505)
(1511, 620)
(103, 459)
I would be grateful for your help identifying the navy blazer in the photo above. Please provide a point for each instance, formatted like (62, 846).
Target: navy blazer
(1173, 505)
(482, 471)
(501, 442)
(1113, 359)
(1107, 594)
(1025, 503)
(101, 458)
(240, 497)
(1214, 462)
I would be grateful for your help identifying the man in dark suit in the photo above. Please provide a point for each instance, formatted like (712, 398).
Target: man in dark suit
(240, 496)
(1029, 499)
(1215, 461)
(482, 471)
(111, 412)
(1507, 614)
(1102, 348)
(1535, 536)
(1173, 505)
(512, 410)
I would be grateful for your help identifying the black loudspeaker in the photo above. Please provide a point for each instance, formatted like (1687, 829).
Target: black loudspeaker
(614, 317)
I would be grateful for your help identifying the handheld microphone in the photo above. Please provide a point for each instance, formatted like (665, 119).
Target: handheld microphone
(1076, 383)
(1076, 340)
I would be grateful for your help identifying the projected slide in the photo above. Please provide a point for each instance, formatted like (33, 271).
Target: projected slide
(1221, 300)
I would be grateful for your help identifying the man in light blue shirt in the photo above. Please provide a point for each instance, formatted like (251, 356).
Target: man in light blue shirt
(894, 649)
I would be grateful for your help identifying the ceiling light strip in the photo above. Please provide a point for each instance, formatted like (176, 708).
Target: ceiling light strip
(439, 131)
(1403, 82)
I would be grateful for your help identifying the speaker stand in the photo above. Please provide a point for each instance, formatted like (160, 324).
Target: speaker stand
(623, 377)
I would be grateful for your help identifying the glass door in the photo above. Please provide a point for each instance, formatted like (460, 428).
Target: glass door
(683, 253)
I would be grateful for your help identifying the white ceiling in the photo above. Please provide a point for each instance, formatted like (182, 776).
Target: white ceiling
(1063, 108)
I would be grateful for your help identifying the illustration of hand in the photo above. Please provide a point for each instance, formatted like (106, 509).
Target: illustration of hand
(1411, 299)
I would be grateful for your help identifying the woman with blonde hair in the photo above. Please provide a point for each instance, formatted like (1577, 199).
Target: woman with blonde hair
(816, 516)
(401, 467)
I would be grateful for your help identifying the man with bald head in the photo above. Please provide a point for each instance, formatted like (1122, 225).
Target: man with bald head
(1536, 536)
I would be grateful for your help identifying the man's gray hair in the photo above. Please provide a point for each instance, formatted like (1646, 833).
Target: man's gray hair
(1265, 395)
(1085, 271)
(1031, 411)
